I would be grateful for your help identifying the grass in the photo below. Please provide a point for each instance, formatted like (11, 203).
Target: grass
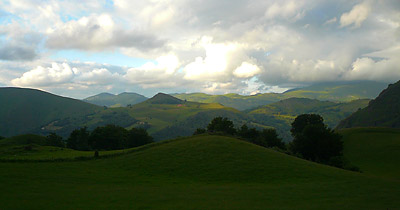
(375, 151)
(202, 172)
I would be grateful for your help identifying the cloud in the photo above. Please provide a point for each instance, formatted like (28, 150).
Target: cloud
(289, 9)
(331, 21)
(246, 70)
(98, 33)
(17, 52)
(385, 68)
(356, 16)
(162, 73)
(45, 76)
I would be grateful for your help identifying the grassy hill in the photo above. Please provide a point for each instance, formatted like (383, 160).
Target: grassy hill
(168, 117)
(375, 151)
(282, 113)
(111, 100)
(384, 111)
(331, 91)
(202, 172)
(34, 111)
(26, 110)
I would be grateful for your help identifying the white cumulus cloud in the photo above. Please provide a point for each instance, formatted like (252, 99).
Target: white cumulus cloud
(44, 76)
(356, 16)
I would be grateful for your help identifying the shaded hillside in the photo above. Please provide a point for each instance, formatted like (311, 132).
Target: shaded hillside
(332, 91)
(26, 110)
(203, 172)
(384, 111)
(111, 100)
(375, 151)
(34, 111)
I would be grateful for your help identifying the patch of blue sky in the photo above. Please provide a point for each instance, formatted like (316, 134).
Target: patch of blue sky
(109, 4)
(112, 58)
(6, 18)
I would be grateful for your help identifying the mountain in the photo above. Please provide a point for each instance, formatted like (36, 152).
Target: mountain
(339, 91)
(162, 98)
(203, 172)
(168, 117)
(282, 113)
(384, 111)
(38, 112)
(329, 91)
(111, 100)
(239, 102)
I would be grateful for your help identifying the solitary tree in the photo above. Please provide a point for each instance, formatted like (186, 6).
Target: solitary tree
(313, 140)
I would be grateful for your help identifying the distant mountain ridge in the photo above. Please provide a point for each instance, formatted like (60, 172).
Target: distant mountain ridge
(329, 91)
(121, 100)
(384, 111)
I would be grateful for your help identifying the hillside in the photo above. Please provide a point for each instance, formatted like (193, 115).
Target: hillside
(111, 100)
(282, 113)
(375, 151)
(384, 111)
(34, 111)
(332, 91)
(203, 172)
(26, 110)
(167, 117)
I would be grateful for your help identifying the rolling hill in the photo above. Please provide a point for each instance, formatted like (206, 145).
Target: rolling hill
(168, 117)
(282, 113)
(332, 91)
(384, 111)
(376, 151)
(111, 100)
(27, 110)
(202, 172)
(34, 111)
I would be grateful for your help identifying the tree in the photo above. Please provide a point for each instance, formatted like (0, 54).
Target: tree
(313, 140)
(268, 137)
(248, 133)
(304, 120)
(1, 137)
(54, 140)
(222, 125)
(138, 137)
(109, 137)
(79, 139)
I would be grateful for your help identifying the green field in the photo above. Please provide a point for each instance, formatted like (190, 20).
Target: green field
(201, 172)
(376, 151)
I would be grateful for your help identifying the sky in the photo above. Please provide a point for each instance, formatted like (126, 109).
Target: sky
(81, 48)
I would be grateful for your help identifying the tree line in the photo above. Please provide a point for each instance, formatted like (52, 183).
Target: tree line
(109, 137)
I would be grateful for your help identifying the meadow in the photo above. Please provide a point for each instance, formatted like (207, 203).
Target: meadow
(201, 172)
